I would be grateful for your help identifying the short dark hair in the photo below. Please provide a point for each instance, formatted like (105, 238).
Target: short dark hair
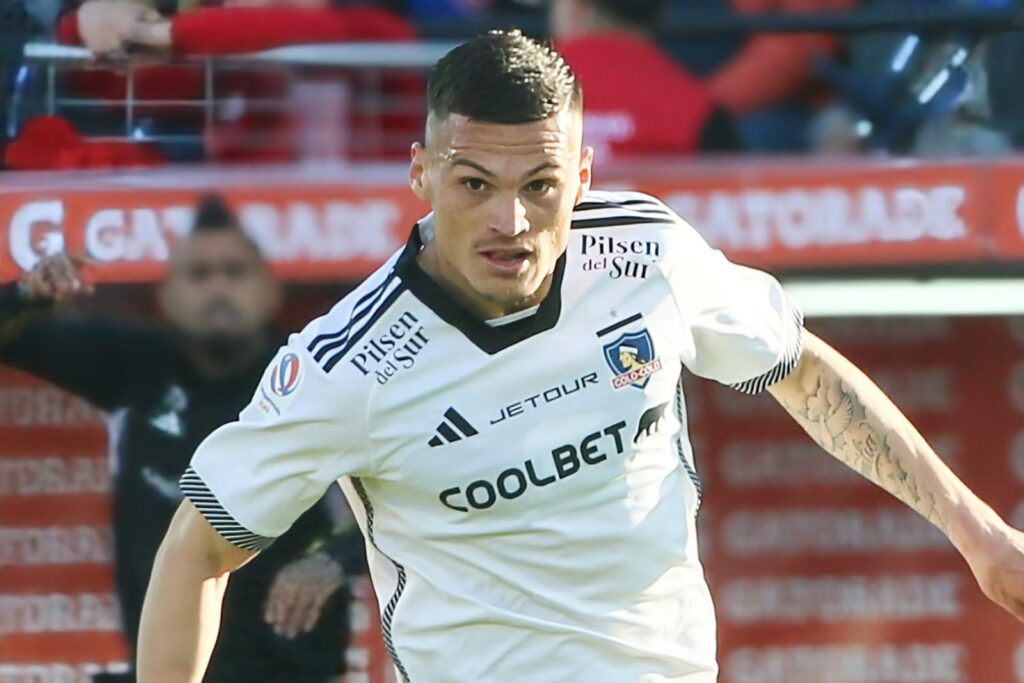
(212, 214)
(503, 77)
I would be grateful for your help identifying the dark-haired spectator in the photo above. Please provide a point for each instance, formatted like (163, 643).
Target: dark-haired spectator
(165, 389)
(638, 100)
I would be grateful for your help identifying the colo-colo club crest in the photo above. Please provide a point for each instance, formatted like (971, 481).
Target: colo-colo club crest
(631, 358)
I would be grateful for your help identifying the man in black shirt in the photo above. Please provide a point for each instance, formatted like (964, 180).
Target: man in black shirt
(165, 390)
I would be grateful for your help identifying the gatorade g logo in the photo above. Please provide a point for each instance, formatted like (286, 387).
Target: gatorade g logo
(631, 357)
(284, 378)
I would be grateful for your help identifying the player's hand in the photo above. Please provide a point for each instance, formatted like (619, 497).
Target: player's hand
(105, 26)
(56, 278)
(997, 561)
(299, 593)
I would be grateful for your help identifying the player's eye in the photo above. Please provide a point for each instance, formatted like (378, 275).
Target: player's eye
(474, 184)
(539, 186)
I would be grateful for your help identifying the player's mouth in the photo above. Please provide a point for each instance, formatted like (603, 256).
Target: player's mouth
(507, 260)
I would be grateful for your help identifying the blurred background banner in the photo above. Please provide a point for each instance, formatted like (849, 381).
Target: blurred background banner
(819, 576)
(326, 224)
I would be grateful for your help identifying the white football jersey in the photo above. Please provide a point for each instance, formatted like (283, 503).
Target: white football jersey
(526, 489)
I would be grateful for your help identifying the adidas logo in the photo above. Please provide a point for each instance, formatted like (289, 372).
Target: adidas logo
(454, 428)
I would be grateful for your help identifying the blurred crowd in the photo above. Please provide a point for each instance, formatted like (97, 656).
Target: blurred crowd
(892, 92)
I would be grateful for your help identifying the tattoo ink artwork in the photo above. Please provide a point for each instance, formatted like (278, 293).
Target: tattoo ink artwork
(834, 416)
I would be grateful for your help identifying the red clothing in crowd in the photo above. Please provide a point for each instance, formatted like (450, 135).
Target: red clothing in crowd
(258, 135)
(49, 143)
(637, 99)
(236, 30)
(772, 68)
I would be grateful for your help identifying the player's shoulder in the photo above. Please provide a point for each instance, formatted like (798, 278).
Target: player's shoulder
(330, 337)
(607, 217)
(603, 208)
(626, 210)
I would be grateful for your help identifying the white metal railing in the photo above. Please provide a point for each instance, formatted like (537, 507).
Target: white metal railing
(367, 64)
(418, 55)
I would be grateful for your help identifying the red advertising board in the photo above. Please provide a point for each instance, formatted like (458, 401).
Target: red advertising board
(820, 577)
(339, 222)
(815, 215)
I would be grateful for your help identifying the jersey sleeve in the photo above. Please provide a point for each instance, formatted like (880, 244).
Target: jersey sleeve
(253, 478)
(746, 331)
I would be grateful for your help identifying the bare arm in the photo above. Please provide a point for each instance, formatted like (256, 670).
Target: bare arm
(181, 614)
(852, 419)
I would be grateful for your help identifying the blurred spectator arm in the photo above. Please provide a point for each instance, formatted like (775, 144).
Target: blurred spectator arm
(97, 360)
(103, 26)
(214, 31)
(238, 30)
(771, 68)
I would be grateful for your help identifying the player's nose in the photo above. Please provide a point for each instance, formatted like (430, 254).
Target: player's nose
(509, 217)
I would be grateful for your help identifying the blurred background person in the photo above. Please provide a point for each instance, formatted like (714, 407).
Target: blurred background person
(837, 131)
(639, 101)
(926, 94)
(768, 81)
(164, 390)
(263, 113)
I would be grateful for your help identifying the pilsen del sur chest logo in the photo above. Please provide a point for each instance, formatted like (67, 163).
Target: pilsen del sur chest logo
(631, 357)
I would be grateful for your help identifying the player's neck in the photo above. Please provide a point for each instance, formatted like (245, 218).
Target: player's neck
(459, 289)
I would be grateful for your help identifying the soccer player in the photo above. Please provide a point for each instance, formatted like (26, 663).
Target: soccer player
(523, 479)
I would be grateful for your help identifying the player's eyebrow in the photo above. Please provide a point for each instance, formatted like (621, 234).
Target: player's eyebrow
(543, 167)
(474, 165)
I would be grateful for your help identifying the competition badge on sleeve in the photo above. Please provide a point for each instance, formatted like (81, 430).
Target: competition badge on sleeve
(631, 357)
(285, 376)
(279, 383)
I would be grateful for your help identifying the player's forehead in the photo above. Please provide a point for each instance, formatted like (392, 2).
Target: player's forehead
(507, 148)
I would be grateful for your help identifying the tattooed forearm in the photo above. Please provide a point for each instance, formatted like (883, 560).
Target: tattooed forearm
(835, 416)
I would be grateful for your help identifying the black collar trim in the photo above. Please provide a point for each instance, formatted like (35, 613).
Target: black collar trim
(489, 339)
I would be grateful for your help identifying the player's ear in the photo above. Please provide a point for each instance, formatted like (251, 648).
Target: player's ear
(586, 172)
(418, 171)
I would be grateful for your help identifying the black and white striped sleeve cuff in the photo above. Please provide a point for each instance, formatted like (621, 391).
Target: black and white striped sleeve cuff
(196, 490)
(789, 361)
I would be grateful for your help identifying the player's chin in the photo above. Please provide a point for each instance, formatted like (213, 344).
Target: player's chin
(509, 290)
